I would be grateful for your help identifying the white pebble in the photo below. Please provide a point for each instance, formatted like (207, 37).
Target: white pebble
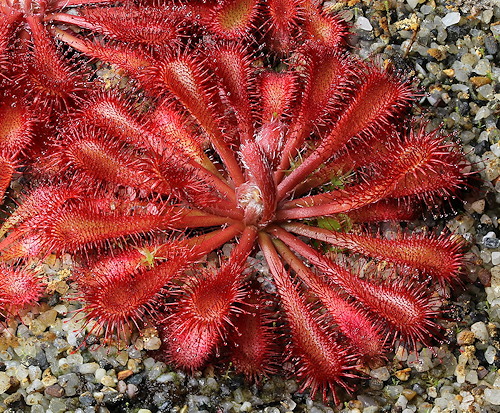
(34, 398)
(4, 382)
(74, 358)
(36, 385)
(495, 148)
(246, 407)
(152, 343)
(486, 91)
(492, 396)
(471, 377)
(88, 368)
(482, 113)
(451, 18)
(412, 3)
(166, 377)
(483, 67)
(35, 372)
(381, 373)
(108, 381)
(480, 331)
(402, 401)
(489, 354)
(495, 258)
(149, 362)
(73, 337)
(99, 374)
(364, 24)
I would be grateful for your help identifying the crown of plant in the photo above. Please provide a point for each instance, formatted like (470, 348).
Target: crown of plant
(243, 124)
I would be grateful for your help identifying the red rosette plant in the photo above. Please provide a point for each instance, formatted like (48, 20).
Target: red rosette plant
(251, 124)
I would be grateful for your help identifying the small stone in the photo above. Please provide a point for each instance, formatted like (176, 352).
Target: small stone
(486, 15)
(88, 368)
(449, 72)
(381, 373)
(401, 354)
(495, 148)
(108, 381)
(122, 375)
(483, 67)
(481, 372)
(495, 258)
(403, 375)
(143, 411)
(409, 394)
(491, 44)
(465, 337)
(485, 92)
(55, 391)
(492, 396)
(48, 318)
(246, 407)
(70, 383)
(4, 382)
(471, 377)
(132, 390)
(478, 81)
(437, 53)
(122, 358)
(33, 399)
(412, 3)
(121, 387)
(363, 24)
(482, 113)
(480, 331)
(492, 170)
(478, 206)
(152, 343)
(86, 399)
(99, 374)
(432, 392)
(451, 19)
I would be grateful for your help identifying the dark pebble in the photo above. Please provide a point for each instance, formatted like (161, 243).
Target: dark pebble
(14, 385)
(481, 147)
(376, 384)
(54, 299)
(91, 339)
(491, 242)
(417, 388)
(482, 372)
(86, 399)
(40, 360)
(476, 316)
(455, 33)
(490, 44)
(463, 107)
(105, 364)
(482, 230)
(137, 379)
(55, 391)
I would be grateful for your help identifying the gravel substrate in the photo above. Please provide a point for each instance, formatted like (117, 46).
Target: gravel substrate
(453, 47)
